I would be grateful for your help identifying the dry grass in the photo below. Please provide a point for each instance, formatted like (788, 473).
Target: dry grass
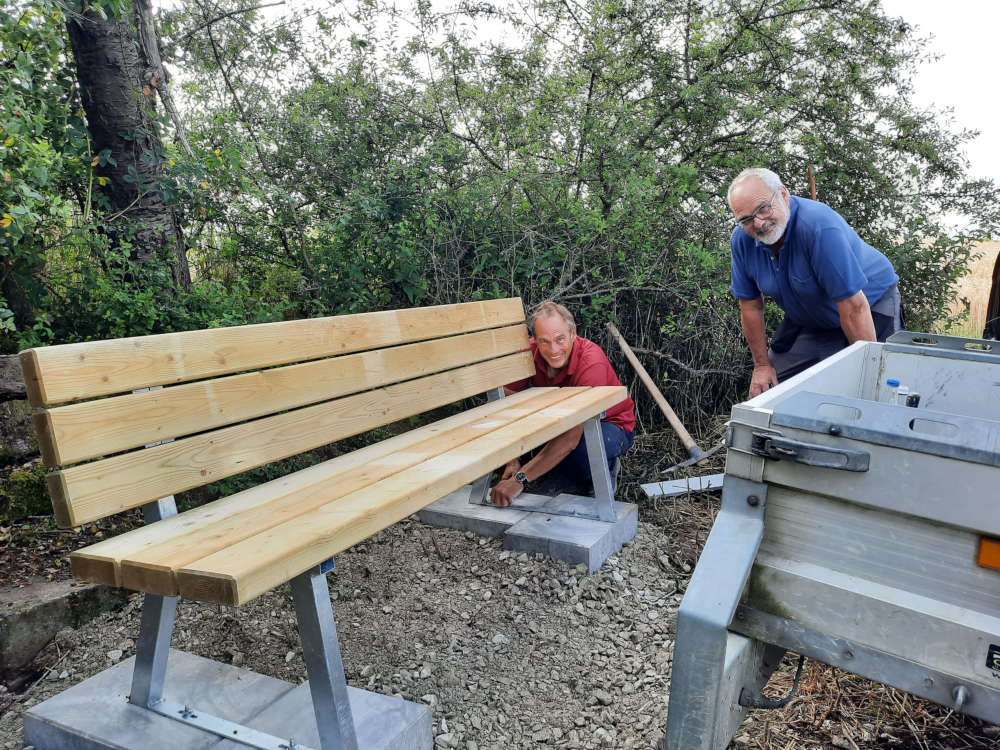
(974, 292)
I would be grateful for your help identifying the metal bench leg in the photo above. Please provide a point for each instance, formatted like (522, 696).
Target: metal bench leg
(481, 487)
(599, 473)
(157, 626)
(323, 662)
(695, 718)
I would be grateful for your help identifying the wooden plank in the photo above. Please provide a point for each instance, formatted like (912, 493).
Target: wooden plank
(69, 372)
(103, 427)
(90, 491)
(151, 554)
(257, 564)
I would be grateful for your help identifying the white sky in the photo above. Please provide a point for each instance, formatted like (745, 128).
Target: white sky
(963, 79)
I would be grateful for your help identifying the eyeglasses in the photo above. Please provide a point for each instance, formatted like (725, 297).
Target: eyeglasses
(763, 212)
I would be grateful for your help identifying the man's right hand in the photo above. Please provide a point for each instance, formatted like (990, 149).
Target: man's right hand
(763, 378)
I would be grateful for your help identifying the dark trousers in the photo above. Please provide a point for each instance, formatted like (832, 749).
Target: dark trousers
(574, 470)
(795, 348)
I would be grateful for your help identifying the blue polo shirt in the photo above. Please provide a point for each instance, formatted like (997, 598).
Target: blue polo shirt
(822, 262)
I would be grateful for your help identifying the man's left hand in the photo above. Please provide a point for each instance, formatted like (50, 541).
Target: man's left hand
(504, 492)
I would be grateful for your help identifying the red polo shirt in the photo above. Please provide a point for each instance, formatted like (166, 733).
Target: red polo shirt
(588, 365)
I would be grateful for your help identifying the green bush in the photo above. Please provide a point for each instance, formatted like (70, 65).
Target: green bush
(24, 494)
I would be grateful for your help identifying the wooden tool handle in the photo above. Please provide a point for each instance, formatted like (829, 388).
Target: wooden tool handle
(668, 412)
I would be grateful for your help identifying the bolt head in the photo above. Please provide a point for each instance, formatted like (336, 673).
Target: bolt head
(753, 501)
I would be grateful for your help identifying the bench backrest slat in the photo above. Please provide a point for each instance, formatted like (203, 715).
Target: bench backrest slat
(93, 490)
(70, 372)
(76, 432)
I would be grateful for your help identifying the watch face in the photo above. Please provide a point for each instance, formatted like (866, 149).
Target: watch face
(521, 477)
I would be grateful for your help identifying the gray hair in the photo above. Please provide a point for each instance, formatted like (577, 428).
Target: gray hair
(766, 176)
(550, 309)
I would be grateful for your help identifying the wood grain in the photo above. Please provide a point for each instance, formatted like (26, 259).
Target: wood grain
(97, 489)
(248, 568)
(148, 557)
(68, 372)
(68, 434)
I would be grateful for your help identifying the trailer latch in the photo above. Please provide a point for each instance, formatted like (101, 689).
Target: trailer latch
(783, 449)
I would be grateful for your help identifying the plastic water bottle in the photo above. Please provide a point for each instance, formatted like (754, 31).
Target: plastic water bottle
(894, 384)
(902, 393)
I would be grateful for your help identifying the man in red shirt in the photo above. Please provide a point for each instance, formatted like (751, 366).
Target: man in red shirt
(564, 359)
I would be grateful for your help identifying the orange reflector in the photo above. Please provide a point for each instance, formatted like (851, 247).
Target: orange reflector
(989, 553)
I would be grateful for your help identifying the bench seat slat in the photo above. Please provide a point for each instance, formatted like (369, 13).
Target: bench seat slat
(90, 491)
(249, 568)
(144, 559)
(76, 432)
(69, 372)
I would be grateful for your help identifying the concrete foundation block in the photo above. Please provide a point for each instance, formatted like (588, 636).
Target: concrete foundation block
(96, 715)
(573, 540)
(454, 511)
(540, 529)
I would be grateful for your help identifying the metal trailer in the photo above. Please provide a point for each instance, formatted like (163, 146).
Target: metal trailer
(853, 531)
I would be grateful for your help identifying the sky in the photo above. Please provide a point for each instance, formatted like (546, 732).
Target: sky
(964, 34)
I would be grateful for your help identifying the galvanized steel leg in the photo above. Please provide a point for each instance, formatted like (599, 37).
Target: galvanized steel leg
(481, 487)
(323, 662)
(695, 720)
(599, 473)
(158, 612)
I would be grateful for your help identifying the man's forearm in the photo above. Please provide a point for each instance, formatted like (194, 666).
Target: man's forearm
(552, 453)
(856, 318)
(752, 319)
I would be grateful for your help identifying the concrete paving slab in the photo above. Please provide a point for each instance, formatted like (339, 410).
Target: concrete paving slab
(95, 714)
(573, 540)
(454, 511)
(675, 487)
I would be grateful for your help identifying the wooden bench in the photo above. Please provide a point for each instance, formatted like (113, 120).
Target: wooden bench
(156, 415)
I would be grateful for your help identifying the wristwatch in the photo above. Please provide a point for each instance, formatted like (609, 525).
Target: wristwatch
(522, 478)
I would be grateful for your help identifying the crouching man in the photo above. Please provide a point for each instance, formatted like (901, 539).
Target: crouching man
(564, 359)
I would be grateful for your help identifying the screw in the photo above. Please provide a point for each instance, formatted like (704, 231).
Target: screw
(834, 430)
(753, 501)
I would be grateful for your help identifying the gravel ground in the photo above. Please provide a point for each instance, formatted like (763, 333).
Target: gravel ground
(512, 651)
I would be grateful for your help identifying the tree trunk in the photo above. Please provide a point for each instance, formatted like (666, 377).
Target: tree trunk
(117, 96)
(11, 380)
(992, 327)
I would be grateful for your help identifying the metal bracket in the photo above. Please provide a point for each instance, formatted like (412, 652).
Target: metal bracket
(784, 449)
(481, 487)
(224, 728)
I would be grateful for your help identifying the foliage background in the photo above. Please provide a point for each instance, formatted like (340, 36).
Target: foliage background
(353, 155)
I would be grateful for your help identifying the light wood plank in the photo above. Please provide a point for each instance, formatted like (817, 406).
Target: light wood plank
(147, 562)
(76, 432)
(100, 562)
(255, 565)
(68, 372)
(90, 491)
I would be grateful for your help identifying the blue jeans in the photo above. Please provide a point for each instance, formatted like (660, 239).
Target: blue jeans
(575, 468)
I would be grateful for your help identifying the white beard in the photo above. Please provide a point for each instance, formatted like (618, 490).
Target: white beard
(772, 235)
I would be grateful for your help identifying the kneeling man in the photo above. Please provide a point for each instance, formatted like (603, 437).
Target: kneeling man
(564, 359)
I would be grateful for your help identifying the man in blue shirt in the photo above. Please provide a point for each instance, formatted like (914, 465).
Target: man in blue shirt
(834, 288)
